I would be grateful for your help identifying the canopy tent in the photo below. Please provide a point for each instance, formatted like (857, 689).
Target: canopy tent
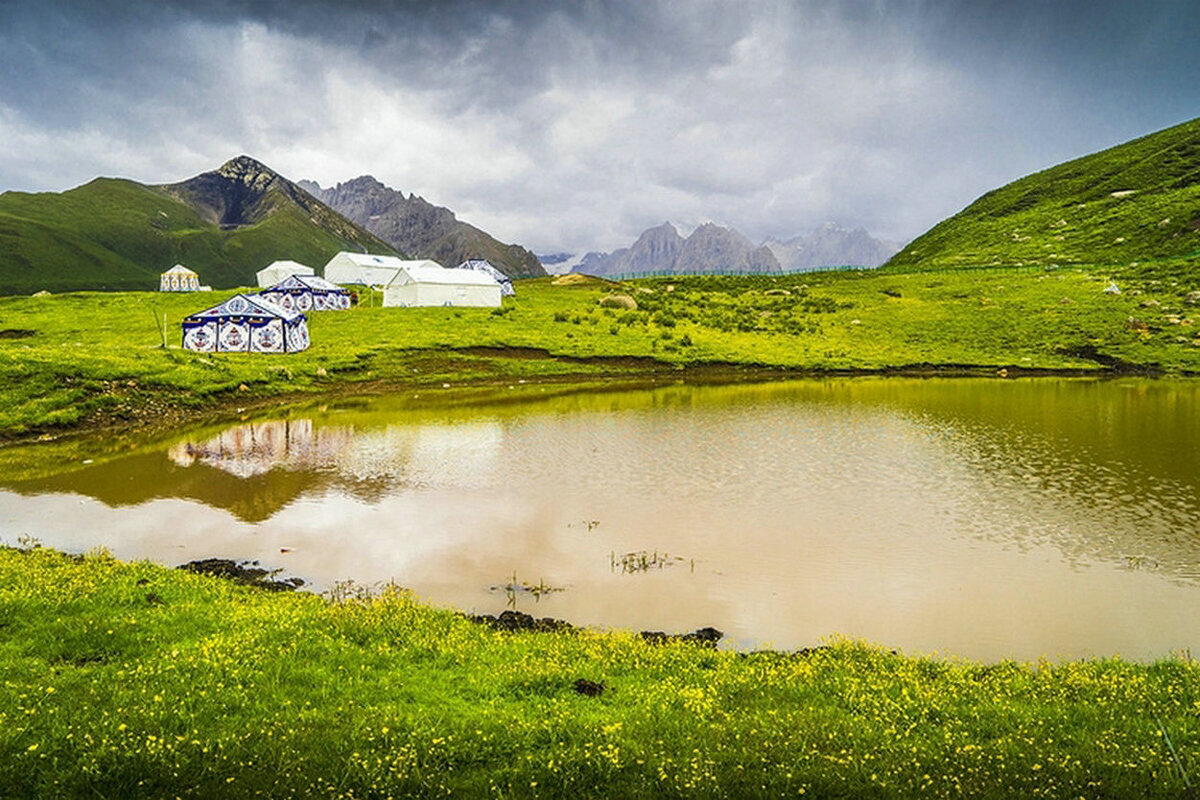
(480, 265)
(307, 293)
(246, 323)
(179, 279)
(367, 270)
(276, 271)
(438, 286)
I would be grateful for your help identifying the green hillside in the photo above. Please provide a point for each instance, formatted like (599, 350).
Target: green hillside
(113, 234)
(1134, 202)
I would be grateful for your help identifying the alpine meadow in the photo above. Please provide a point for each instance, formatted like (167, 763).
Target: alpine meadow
(311, 486)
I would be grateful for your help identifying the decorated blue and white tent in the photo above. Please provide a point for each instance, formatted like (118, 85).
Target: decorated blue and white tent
(246, 323)
(307, 293)
(479, 265)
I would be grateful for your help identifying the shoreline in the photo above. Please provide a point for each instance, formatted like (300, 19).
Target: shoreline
(147, 409)
(128, 679)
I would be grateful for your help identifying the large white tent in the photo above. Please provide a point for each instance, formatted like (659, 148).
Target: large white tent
(276, 271)
(438, 286)
(362, 269)
(246, 323)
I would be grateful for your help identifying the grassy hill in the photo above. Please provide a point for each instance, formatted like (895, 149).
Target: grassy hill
(113, 234)
(1135, 202)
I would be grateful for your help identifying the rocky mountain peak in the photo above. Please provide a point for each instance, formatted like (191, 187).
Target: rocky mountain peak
(831, 245)
(365, 184)
(246, 170)
(420, 228)
(710, 249)
(242, 191)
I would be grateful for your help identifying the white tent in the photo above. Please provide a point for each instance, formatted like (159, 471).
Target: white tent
(480, 265)
(179, 279)
(246, 323)
(276, 271)
(361, 269)
(438, 286)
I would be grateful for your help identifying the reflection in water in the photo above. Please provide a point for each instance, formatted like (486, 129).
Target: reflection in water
(982, 518)
(397, 455)
(259, 447)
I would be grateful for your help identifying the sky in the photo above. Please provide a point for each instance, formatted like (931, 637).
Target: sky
(573, 126)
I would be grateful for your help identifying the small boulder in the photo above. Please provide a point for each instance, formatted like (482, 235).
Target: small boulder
(705, 637)
(622, 301)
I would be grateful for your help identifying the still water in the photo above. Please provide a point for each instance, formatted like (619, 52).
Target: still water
(975, 518)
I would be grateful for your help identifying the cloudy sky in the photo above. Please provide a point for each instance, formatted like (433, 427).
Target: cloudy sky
(576, 125)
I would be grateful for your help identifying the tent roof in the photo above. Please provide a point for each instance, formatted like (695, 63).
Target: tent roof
(368, 260)
(442, 275)
(248, 305)
(482, 265)
(296, 266)
(306, 282)
(179, 269)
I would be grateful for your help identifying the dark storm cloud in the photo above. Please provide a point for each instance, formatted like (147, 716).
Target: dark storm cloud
(578, 124)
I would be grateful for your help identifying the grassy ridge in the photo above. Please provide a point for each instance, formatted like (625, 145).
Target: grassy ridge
(1134, 202)
(133, 680)
(119, 235)
(76, 359)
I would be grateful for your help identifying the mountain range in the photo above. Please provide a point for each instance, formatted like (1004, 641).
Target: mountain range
(226, 224)
(712, 248)
(1137, 202)
(415, 226)
(831, 245)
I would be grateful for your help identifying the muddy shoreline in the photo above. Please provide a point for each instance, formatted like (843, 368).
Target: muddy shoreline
(147, 409)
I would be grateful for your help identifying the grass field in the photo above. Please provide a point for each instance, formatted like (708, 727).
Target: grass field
(133, 680)
(94, 358)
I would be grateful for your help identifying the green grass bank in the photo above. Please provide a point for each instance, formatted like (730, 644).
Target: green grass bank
(87, 360)
(134, 680)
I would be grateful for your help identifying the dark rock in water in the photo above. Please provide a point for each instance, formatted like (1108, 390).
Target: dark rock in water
(589, 688)
(246, 573)
(804, 652)
(514, 621)
(706, 637)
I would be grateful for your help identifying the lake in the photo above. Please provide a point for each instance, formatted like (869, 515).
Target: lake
(978, 518)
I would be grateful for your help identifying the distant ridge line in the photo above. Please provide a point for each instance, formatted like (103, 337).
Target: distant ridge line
(628, 276)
